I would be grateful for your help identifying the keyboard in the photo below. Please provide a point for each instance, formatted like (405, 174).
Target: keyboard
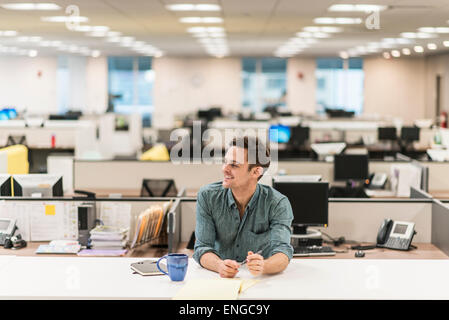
(313, 251)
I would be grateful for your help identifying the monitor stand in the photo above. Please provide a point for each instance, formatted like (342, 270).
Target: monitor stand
(303, 237)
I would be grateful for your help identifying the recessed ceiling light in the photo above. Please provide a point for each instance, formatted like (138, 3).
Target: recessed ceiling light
(356, 7)
(406, 51)
(330, 20)
(418, 35)
(193, 7)
(395, 53)
(95, 53)
(32, 53)
(344, 55)
(418, 49)
(431, 46)
(8, 33)
(201, 20)
(65, 19)
(30, 6)
(386, 55)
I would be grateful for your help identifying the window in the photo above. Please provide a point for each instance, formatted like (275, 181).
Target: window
(130, 83)
(264, 83)
(340, 84)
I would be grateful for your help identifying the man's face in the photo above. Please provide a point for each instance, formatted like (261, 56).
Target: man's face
(235, 169)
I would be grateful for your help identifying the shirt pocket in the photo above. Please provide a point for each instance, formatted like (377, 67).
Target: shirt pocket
(260, 228)
(257, 241)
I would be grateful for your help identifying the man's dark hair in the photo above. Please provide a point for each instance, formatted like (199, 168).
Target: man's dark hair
(258, 153)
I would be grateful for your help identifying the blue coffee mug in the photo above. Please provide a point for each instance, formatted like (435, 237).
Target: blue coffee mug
(176, 266)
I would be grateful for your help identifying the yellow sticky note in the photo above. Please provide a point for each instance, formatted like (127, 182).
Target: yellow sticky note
(50, 210)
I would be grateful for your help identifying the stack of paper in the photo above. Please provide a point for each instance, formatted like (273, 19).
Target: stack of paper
(149, 224)
(108, 238)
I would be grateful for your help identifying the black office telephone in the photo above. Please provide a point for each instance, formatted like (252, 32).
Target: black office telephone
(395, 234)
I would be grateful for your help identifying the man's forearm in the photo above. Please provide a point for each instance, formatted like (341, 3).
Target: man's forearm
(276, 263)
(210, 261)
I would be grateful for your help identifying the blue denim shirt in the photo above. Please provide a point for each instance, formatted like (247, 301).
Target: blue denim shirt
(265, 224)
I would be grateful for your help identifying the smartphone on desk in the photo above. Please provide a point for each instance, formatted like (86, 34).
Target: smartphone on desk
(395, 234)
(148, 267)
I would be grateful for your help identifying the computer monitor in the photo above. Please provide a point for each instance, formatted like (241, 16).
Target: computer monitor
(299, 135)
(5, 185)
(410, 133)
(279, 133)
(350, 167)
(37, 185)
(309, 201)
(158, 188)
(386, 133)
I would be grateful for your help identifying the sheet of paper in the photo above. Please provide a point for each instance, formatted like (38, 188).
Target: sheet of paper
(116, 214)
(247, 283)
(209, 289)
(46, 227)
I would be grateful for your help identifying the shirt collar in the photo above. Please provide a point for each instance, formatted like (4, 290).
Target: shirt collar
(252, 202)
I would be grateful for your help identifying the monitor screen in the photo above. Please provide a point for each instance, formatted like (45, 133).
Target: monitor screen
(279, 133)
(410, 133)
(299, 135)
(386, 133)
(350, 167)
(37, 185)
(5, 185)
(309, 201)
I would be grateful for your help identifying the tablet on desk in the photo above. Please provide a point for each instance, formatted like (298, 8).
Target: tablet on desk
(148, 268)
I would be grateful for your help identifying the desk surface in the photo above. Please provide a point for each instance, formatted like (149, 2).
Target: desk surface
(109, 278)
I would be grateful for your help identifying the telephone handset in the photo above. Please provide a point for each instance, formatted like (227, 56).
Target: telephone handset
(395, 234)
(378, 180)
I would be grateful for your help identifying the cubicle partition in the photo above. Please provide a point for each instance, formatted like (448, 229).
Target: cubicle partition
(46, 219)
(127, 175)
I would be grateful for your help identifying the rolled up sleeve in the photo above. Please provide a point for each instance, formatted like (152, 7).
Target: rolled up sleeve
(205, 232)
(280, 228)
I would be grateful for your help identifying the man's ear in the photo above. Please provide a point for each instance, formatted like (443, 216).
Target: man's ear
(258, 171)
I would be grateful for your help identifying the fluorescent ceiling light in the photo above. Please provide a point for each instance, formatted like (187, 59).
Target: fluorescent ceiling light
(201, 20)
(32, 53)
(95, 53)
(344, 55)
(8, 33)
(434, 30)
(330, 20)
(406, 51)
(418, 49)
(418, 35)
(356, 7)
(193, 7)
(446, 43)
(65, 19)
(431, 46)
(30, 6)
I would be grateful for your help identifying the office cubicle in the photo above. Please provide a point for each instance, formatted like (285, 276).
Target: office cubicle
(46, 219)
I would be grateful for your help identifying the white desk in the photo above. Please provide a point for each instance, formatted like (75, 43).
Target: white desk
(112, 278)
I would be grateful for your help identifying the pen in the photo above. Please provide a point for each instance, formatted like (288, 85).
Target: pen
(246, 260)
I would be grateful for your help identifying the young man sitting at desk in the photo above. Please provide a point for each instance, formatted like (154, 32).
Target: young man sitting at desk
(239, 220)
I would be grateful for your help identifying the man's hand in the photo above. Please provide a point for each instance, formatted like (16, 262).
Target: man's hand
(228, 268)
(255, 263)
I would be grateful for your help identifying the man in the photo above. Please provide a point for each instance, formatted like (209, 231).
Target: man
(238, 217)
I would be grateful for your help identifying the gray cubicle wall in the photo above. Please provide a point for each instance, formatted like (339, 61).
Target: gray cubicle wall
(128, 174)
(440, 225)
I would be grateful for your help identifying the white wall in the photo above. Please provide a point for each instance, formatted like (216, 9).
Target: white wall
(97, 85)
(184, 85)
(437, 65)
(22, 86)
(301, 97)
(395, 87)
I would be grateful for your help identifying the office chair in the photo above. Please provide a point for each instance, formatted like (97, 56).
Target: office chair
(158, 188)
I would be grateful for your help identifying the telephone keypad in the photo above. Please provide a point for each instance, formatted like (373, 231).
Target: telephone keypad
(398, 243)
